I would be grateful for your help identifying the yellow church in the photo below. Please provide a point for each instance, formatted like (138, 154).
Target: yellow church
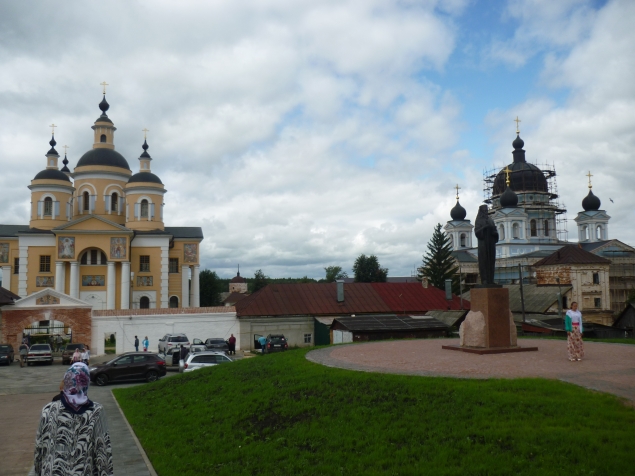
(97, 233)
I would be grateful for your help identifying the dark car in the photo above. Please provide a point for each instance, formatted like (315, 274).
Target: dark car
(69, 350)
(6, 354)
(217, 343)
(129, 366)
(275, 343)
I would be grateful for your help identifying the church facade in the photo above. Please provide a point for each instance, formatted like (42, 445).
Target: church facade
(97, 233)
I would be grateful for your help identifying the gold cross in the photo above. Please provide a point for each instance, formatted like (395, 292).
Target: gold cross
(507, 172)
(517, 121)
(589, 175)
(145, 133)
(52, 126)
(66, 147)
(104, 84)
(457, 191)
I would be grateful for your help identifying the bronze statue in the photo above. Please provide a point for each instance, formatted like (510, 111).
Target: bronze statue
(485, 231)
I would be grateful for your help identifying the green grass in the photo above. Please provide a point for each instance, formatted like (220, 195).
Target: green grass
(283, 415)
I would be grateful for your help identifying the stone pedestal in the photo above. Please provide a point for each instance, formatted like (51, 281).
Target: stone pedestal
(489, 326)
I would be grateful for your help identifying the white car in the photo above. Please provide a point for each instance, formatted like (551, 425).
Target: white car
(205, 359)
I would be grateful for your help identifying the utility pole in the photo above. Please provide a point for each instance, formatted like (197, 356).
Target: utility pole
(460, 286)
(522, 296)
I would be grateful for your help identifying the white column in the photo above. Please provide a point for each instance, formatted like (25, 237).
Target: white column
(125, 285)
(185, 286)
(111, 284)
(6, 277)
(196, 295)
(74, 279)
(60, 276)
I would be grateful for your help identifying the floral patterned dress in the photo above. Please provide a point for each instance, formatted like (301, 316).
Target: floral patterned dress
(573, 326)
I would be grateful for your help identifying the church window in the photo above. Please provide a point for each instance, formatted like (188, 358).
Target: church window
(598, 233)
(45, 264)
(501, 232)
(546, 227)
(585, 233)
(48, 206)
(16, 265)
(114, 204)
(174, 265)
(596, 278)
(174, 302)
(144, 302)
(532, 226)
(86, 204)
(515, 231)
(144, 263)
(462, 240)
(144, 209)
(597, 302)
(102, 138)
(93, 257)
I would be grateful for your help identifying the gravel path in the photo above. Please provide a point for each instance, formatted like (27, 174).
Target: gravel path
(606, 367)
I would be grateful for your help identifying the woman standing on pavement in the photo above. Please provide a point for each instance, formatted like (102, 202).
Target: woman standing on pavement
(146, 344)
(72, 438)
(573, 326)
(24, 352)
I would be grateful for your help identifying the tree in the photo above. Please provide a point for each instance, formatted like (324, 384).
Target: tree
(334, 273)
(368, 270)
(438, 262)
(260, 281)
(210, 287)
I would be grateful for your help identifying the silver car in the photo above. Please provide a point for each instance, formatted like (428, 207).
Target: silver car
(170, 341)
(40, 353)
(205, 359)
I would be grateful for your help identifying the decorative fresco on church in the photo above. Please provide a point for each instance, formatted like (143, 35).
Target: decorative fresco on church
(66, 247)
(44, 281)
(93, 280)
(145, 281)
(4, 252)
(190, 251)
(44, 300)
(118, 247)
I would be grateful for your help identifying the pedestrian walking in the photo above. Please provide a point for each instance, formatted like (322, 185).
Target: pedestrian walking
(59, 342)
(77, 356)
(573, 326)
(72, 437)
(136, 343)
(262, 340)
(86, 355)
(24, 352)
(146, 344)
(231, 342)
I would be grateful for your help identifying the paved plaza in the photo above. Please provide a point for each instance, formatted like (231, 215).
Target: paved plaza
(606, 367)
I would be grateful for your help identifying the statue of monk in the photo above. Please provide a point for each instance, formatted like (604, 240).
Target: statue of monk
(485, 231)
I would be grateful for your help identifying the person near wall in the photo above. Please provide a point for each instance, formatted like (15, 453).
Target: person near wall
(136, 344)
(262, 340)
(24, 352)
(86, 356)
(146, 344)
(59, 341)
(77, 356)
(573, 326)
(231, 342)
(72, 437)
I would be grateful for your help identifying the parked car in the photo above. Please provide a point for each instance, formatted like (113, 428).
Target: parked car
(40, 353)
(7, 356)
(129, 366)
(172, 340)
(172, 356)
(205, 359)
(217, 343)
(69, 350)
(275, 343)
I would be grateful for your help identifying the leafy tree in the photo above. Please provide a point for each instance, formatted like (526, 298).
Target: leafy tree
(260, 281)
(368, 270)
(438, 263)
(210, 286)
(334, 273)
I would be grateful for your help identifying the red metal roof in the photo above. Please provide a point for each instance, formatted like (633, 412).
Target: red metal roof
(320, 299)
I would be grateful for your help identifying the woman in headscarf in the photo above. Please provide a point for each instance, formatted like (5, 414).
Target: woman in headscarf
(77, 356)
(573, 326)
(72, 438)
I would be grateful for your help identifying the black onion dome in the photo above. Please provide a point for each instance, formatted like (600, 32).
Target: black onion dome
(145, 177)
(509, 199)
(103, 105)
(518, 143)
(458, 212)
(52, 143)
(65, 162)
(524, 177)
(145, 148)
(51, 174)
(108, 157)
(591, 202)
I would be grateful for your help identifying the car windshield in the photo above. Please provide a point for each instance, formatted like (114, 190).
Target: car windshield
(40, 347)
(4, 348)
(215, 341)
(178, 339)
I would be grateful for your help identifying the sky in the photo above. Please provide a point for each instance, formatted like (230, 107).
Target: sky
(301, 134)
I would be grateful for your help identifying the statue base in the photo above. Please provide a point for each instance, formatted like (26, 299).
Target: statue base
(489, 327)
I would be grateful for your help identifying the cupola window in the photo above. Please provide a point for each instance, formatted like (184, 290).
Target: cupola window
(48, 207)
(546, 227)
(114, 202)
(144, 209)
(102, 138)
(462, 240)
(515, 231)
(532, 227)
(501, 232)
(598, 233)
(86, 201)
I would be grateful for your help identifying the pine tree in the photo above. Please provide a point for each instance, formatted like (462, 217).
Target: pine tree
(438, 263)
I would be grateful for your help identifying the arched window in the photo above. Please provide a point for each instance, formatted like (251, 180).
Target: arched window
(598, 232)
(532, 226)
(48, 206)
(86, 196)
(144, 302)
(501, 232)
(174, 302)
(585, 233)
(462, 240)
(114, 202)
(546, 227)
(144, 209)
(515, 231)
(102, 138)
(93, 257)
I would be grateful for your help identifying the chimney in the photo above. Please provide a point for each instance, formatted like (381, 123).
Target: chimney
(340, 290)
(424, 282)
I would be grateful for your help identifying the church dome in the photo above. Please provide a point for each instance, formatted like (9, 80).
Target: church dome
(145, 177)
(103, 157)
(238, 279)
(591, 202)
(524, 177)
(51, 174)
(458, 213)
(509, 199)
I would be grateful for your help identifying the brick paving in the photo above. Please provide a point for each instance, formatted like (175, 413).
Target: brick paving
(606, 367)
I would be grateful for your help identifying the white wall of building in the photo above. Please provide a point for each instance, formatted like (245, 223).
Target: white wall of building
(293, 328)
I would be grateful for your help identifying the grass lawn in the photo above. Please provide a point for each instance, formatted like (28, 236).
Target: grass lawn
(283, 415)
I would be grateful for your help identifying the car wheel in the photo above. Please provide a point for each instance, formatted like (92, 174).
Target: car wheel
(101, 380)
(152, 376)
